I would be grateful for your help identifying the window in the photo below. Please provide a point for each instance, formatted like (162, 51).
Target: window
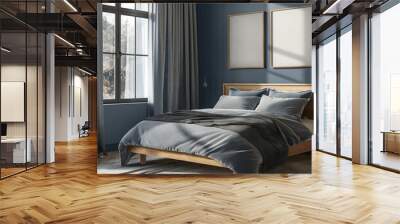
(125, 52)
(335, 94)
(346, 93)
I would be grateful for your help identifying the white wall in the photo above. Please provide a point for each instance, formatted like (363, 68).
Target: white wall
(17, 73)
(62, 81)
(79, 117)
(33, 126)
(70, 83)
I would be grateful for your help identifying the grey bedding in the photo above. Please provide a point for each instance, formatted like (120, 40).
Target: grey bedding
(241, 140)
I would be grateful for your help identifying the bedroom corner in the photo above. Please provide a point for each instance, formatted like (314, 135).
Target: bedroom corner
(204, 88)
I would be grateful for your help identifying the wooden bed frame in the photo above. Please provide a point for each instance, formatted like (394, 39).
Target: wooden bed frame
(293, 150)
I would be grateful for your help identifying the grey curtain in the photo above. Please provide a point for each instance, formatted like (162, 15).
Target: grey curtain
(174, 57)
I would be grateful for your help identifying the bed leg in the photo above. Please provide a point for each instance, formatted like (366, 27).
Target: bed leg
(142, 159)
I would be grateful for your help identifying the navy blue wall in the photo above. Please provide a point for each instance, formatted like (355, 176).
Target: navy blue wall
(212, 44)
(119, 119)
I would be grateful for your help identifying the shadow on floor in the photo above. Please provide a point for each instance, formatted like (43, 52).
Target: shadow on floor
(111, 165)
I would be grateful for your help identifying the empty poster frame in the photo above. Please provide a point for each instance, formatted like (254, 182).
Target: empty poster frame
(291, 40)
(246, 40)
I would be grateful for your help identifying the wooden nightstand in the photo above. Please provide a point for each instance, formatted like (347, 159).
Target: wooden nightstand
(391, 141)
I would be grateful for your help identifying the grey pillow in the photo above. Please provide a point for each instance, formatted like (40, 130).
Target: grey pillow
(280, 94)
(237, 102)
(291, 107)
(238, 92)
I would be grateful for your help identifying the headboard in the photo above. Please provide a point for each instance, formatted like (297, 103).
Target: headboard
(308, 111)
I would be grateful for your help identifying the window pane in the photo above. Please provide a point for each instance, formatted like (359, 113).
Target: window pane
(108, 76)
(128, 78)
(108, 32)
(142, 36)
(127, 34)
(327, 97)
(394, 102)
(110, 4)
(128, 5)
(346, 94)
(142, 82)
(142, 6)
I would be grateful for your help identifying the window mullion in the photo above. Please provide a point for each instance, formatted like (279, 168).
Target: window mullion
(118, 54)
(338, 100)
(135, 58)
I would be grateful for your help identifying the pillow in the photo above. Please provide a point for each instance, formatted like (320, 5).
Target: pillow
(237, 102)
(292, 107)
(238, 92)
(280, 94)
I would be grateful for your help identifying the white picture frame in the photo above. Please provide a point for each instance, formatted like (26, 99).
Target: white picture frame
(246, 40)
(291, 37)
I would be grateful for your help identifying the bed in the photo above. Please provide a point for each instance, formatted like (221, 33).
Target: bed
(143, 148)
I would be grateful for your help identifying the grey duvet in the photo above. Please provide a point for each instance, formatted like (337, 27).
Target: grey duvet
(243, 141)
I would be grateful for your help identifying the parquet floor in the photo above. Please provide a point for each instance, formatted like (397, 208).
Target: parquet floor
(70, 191)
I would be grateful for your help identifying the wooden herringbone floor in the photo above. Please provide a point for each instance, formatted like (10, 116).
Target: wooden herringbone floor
(70, 191)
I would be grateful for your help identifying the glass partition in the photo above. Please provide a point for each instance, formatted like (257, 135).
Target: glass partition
(14, 153)
(22, 101)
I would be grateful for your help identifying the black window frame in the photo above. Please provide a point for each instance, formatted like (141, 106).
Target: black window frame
(119, 11)
(333, 36)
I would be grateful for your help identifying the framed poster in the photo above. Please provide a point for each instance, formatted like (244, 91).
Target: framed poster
(246, 40)
(291, 40)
